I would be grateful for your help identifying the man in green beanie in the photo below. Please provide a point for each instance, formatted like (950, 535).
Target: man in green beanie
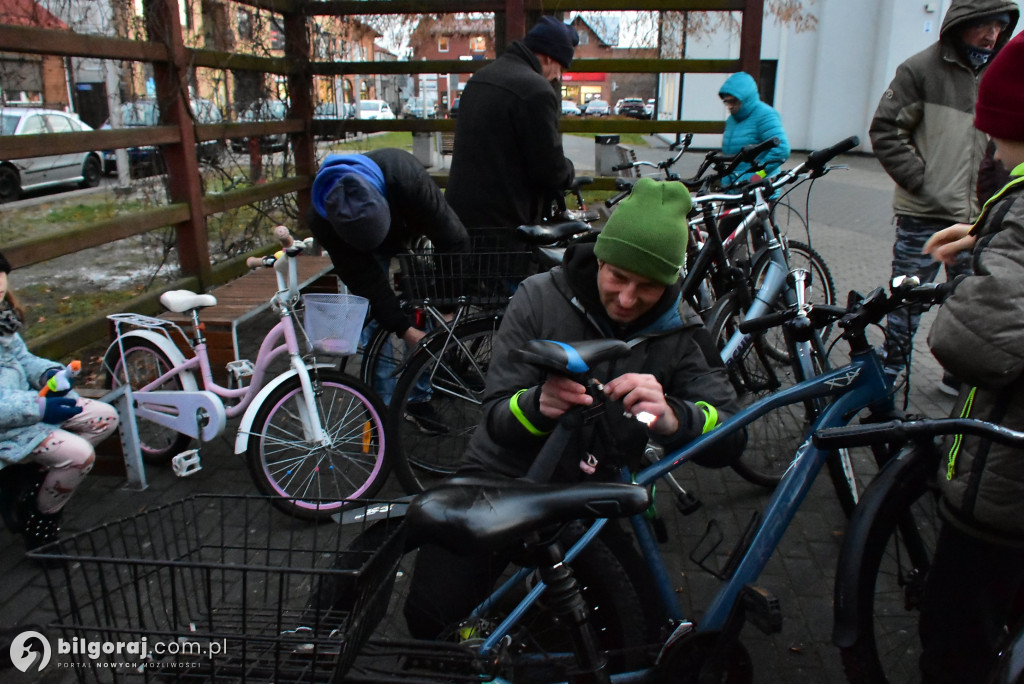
(626, 286)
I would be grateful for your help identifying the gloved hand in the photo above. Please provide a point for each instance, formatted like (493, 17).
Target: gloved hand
(56, 410)
(57, 382)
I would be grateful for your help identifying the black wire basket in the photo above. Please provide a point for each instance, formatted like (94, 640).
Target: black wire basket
(486, 275)
(218, 588)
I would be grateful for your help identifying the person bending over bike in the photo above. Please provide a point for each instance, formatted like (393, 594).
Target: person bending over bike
(978, 568)
(623, 286)
(57, 430)
(368, 207)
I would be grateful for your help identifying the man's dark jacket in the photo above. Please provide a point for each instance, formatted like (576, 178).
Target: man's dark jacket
(508, 156)
(669, 342)
(418, 208)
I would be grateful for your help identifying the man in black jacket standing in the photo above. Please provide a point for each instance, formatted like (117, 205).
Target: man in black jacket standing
(508, 158)
(368, 207)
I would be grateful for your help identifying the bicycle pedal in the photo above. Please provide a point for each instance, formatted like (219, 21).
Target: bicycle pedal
(186, 463)
(762, 609)
(687, 503)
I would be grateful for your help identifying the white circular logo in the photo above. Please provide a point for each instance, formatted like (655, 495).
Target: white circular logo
(28, 649)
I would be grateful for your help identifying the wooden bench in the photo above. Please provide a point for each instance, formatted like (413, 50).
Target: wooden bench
(246, 297)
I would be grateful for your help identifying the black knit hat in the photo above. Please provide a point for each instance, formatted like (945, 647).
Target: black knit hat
(5, 265)
(553, 38)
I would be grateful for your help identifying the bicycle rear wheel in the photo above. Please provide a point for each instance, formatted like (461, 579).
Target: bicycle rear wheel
(143, 362)
(895, 557)
(438, 401)
(319, 480)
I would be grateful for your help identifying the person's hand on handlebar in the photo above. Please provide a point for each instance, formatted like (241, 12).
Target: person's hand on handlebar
(558, 394)
(642, 393)
(947, 243)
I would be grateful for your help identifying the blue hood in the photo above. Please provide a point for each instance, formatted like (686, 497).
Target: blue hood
(337, 165)
(743, 87)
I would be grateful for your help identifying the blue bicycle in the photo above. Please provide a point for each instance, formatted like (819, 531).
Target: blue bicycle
(540, 625)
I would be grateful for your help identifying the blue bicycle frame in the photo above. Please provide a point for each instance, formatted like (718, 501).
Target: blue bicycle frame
(852, 387)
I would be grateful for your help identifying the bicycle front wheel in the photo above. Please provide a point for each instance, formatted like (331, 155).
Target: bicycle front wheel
(772, 440)
(819, 288)
(142, 362)
(896, 555)
(318, 479)
(438, 401)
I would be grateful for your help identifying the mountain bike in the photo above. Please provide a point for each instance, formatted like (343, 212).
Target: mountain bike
(308, 433)
(889, 545)
(470, 514)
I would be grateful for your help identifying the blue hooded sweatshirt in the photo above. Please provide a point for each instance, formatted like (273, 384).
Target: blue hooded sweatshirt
(753, 123)
(337, 165)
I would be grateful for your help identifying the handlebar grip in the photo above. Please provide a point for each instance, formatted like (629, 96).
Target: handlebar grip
(817, 159)
(765, 322)
(851, 436)
(253, 262)
(580, 181)
(623, 166)
(612, 201)
(753, 150)
(284, 236)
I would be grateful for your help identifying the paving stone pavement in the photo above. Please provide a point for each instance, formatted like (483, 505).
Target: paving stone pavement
(851, 227)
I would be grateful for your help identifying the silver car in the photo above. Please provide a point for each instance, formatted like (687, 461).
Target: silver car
(18, 175)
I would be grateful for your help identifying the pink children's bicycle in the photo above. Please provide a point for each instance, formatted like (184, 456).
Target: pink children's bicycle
(313, 436)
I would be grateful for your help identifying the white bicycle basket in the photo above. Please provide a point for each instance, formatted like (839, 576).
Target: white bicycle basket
(334, 322)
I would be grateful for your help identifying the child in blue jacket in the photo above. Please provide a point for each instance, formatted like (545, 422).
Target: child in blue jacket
(57, 430)
(750, 121)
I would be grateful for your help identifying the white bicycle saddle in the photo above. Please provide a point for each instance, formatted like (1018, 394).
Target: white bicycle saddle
(186, 300)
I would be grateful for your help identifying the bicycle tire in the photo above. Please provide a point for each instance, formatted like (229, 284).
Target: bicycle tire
(896, 554)
(146, 362)
(820, 288)
(454, 366)
(316, 481)
(772, 440)
(617, 612)
(374, 354)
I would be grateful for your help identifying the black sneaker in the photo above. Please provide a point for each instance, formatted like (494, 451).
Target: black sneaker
(425, 418)
(949, 385)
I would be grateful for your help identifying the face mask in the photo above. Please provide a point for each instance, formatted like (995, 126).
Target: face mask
(977, 56)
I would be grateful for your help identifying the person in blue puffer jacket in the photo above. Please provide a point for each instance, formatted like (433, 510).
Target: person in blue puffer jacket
(750, 122)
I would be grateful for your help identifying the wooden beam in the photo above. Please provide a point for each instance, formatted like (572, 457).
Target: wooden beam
(621, 66)
(343, 7)
(214, 59)
(233, 199)
(39, 41)
(750, 37)
(18, 146)
(36, 250)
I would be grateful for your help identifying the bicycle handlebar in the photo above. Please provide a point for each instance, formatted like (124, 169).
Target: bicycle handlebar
(914, 430)
(816, 160)
(289, 245)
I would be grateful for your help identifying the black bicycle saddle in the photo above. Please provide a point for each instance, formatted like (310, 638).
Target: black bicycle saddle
(486, 514)
(571, 359)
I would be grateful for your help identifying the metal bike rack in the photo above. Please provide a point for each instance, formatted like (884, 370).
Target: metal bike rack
(122, 401)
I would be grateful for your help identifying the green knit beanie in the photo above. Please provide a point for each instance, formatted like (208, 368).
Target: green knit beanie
(646, 234)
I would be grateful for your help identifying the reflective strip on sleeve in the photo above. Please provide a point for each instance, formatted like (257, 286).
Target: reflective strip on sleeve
(513, 405)
(710, 416)
(954, 449)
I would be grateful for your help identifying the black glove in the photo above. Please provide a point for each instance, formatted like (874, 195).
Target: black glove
(56, 410)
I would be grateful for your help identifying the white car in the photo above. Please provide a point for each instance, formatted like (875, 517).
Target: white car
(569, 107)
(374, 109)
(17, 175)
(649, 108)
(597, 108)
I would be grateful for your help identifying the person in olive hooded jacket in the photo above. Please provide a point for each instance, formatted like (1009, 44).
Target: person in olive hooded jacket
(923, 136)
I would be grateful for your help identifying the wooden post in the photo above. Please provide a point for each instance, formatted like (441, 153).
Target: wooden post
(163, 24)
(750, 38)
(300, 90)
(515, 21)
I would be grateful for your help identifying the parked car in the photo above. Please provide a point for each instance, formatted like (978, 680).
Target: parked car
(617, 107)
(597, 108)
(263, 110)
(453, 111)
(375, 109)
(328, 111)
(148, 159)
(633, 107)
(649, 108)
(415, 109)
(17, 175)
(569, 107)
